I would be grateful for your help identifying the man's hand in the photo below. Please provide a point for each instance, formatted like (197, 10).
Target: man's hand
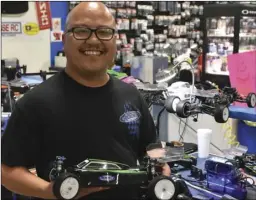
(83, 191)
(158, 153)
(86, 191)
(166, 170)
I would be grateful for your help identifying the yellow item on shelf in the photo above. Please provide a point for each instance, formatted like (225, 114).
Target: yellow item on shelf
(249, 123)
(232, 140)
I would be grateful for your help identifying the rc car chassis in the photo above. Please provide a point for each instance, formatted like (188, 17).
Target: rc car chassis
(93, 173)
(211, 102)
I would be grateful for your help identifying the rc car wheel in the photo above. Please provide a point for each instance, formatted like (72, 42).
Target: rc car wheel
(171, 104)
(53, 174)
(182, 109)
(251, 100)
(161, 188)
(221, 114)
(66, 186)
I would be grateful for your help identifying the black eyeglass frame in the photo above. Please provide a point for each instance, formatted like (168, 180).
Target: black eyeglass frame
(93, 30)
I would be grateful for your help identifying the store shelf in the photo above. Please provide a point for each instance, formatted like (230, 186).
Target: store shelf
(221, 36)
(243, 113)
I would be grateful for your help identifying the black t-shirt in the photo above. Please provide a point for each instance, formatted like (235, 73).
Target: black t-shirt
(60, 117)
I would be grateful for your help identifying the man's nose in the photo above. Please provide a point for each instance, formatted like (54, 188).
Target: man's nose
(93, 38)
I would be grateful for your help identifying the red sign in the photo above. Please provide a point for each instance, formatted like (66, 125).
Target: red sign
(43, 14)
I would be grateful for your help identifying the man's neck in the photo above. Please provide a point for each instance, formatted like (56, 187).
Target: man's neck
(89, 80)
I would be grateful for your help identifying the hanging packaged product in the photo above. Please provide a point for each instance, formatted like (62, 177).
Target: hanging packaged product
(120, 4)
(162, 6)
(134, 24)
(131, 4)
(144, 24)
(123, 38)
(177, 8)
(128, 12)
(150, 19)
(134, 13)
(126, 24)
(118, 44)
(155, 5)
(149, 45)
(119, 24)
(144, 37)
(201, 10)
(138, 44)
(132, 41)
(113, 11)
(151, 36)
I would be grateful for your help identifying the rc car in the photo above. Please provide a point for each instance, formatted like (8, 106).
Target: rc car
(206, 102)
(229, 95)
(153, 94)
(224, 177)
(93, 172)
(177, 92)
(247, 162)
(220, 179)
(206, 98)
(205, 105)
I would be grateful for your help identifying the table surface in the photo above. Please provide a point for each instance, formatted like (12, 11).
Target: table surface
(243, 113)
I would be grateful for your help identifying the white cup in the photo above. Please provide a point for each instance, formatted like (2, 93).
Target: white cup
(203, 142)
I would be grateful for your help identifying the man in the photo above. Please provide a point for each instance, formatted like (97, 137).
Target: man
(79, 113)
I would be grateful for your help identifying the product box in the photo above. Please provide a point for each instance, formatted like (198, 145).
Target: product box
(145, 68)
(242, 73)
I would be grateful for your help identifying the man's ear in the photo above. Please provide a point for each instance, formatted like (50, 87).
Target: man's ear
(63, 38)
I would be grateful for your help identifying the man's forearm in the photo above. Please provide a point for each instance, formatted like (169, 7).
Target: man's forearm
(19, 180)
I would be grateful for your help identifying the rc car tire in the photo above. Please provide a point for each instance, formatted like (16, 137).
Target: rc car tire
(171, 104)
(161, 188)
(182, 108)
(221, 114)
(251, 100)
(66, 186)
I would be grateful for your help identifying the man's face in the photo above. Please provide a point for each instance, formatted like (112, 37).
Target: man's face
(93, 54)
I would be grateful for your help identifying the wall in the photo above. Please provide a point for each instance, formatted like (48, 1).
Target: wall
(34, 50)
(37, 51)
(58, 10)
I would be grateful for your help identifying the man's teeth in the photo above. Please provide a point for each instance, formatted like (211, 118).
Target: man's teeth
(95, 53)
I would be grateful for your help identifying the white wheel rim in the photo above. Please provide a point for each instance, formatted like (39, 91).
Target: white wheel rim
(186, 104)
(69, 188)
(253, 100)
(51, 174)
(174, 103)
(164, 189)
(225, 114)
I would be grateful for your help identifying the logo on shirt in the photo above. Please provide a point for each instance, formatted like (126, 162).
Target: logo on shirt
(131, 117)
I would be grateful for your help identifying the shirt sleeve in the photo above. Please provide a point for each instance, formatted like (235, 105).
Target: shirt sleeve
(20, 139)
(147, 129)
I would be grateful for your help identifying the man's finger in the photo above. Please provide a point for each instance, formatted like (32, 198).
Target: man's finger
(90, 190)
(166, 170)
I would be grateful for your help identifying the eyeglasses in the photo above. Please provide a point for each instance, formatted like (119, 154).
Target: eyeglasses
(84, 33)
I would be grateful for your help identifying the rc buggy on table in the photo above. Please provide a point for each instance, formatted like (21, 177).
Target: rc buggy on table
(211, 101)
(229, 95)
(153, 94)
(93, 173)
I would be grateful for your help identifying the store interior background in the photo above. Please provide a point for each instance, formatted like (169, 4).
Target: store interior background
(38, 52)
